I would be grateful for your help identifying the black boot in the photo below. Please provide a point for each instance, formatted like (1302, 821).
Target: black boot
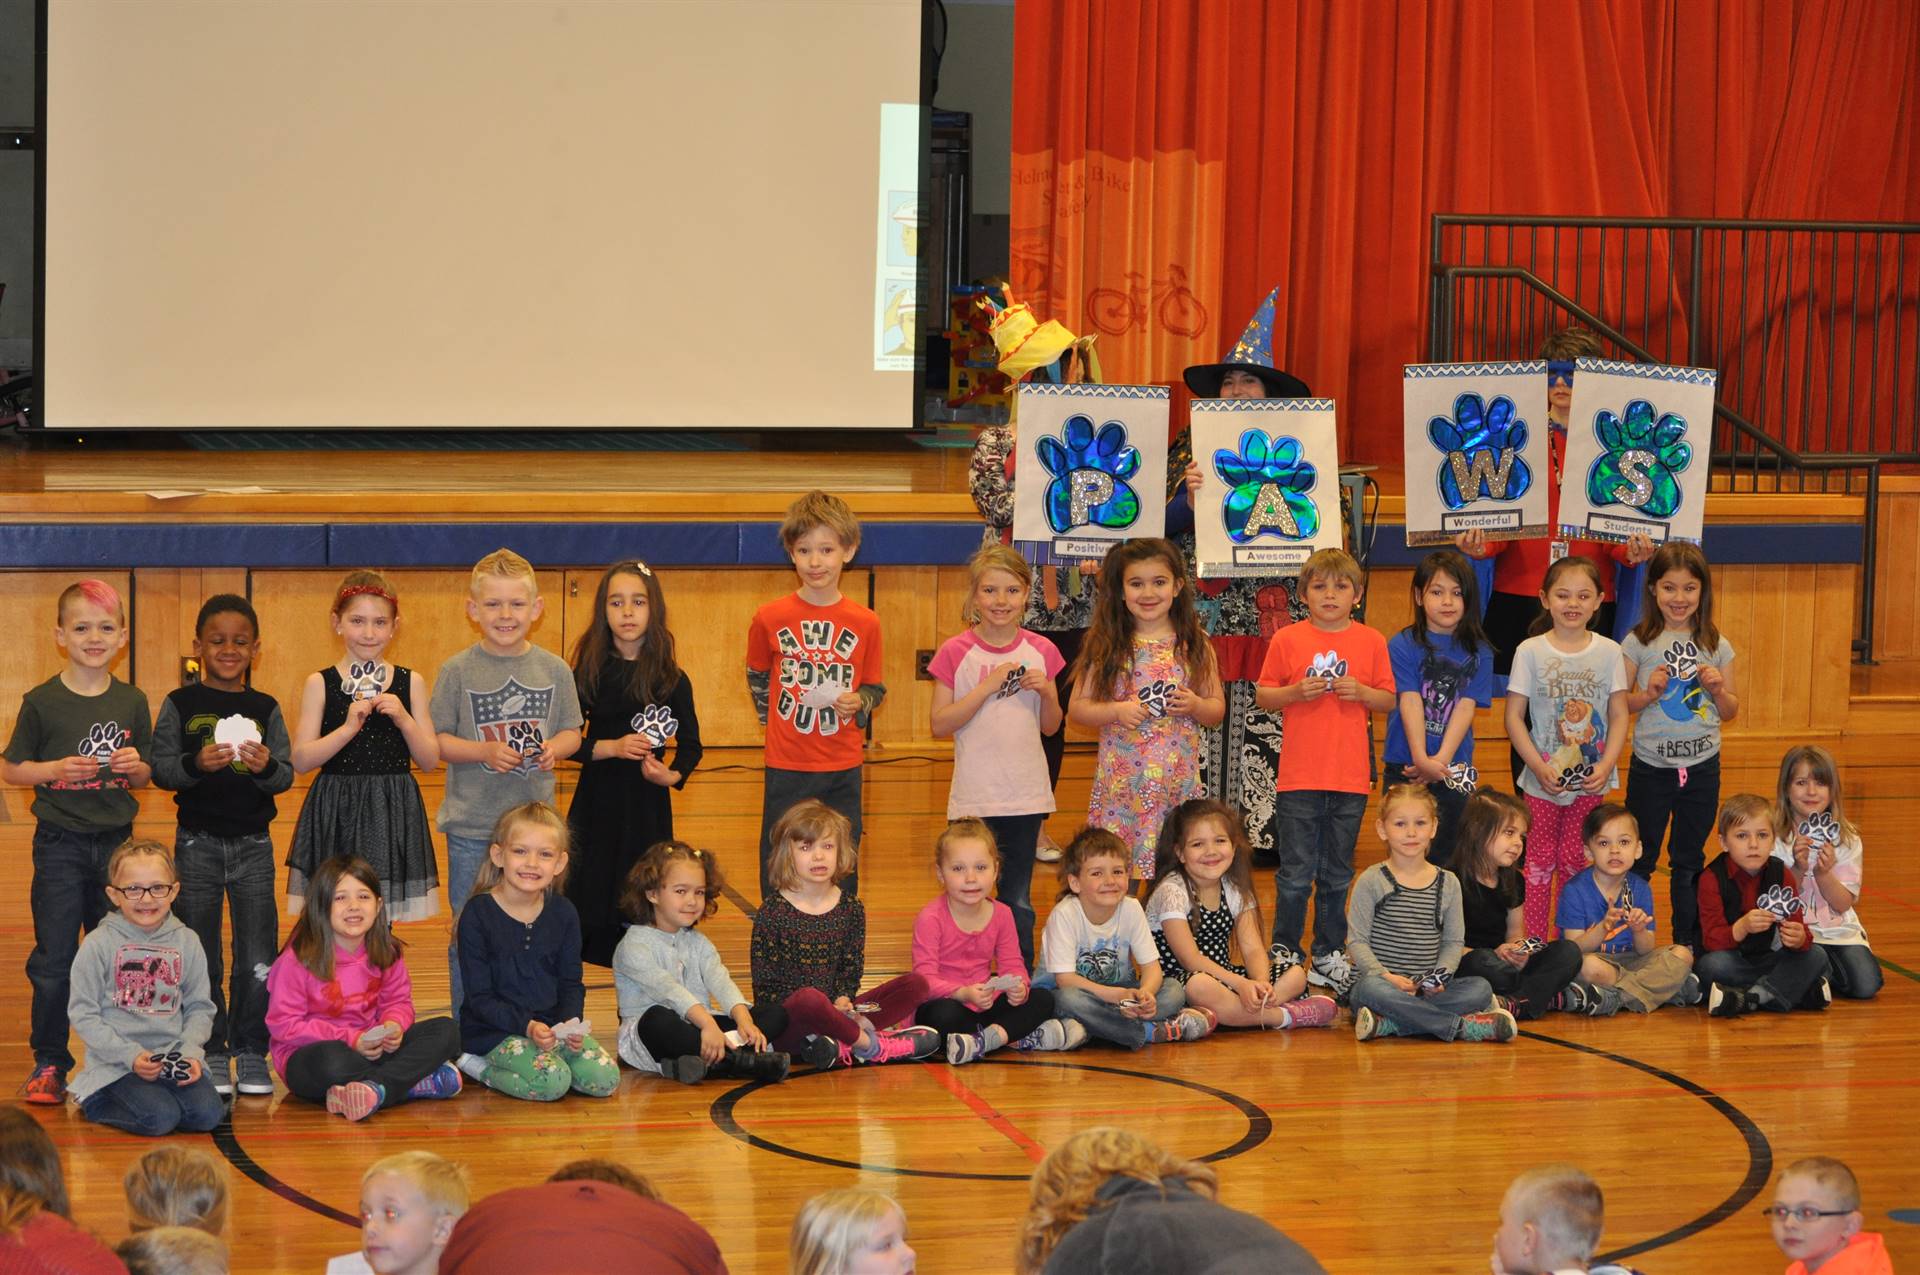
(752, 1064)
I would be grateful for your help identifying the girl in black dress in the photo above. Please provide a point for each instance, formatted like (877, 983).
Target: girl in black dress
(636, 699)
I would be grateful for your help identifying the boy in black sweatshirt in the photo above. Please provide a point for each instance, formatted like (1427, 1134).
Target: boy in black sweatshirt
(224, 781)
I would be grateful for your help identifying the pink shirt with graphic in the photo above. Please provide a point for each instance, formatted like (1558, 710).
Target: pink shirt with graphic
(998, 765)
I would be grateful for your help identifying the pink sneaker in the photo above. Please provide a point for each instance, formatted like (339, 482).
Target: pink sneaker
(355, 1100)
(1310, 1011)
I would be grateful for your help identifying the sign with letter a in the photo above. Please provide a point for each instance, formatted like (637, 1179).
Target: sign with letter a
(1269, 484)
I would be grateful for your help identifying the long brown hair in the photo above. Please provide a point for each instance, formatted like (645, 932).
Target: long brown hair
(1486, 813)
(1678, 555)
(1824, 768)
(1173, 833)
(1106, 657)
(653, 673)
(312, 935)
(30, 1163)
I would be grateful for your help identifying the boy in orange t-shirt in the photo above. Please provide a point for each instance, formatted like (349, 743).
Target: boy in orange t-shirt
(813, 666)
(1816, 1221)
(1324, 674)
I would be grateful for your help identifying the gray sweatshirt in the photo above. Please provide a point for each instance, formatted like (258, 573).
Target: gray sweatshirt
(135, 992)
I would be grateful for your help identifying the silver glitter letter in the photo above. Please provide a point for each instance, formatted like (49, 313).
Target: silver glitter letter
(1090, 487)
(1633, 468)
(1270, 510)
(1468, 477)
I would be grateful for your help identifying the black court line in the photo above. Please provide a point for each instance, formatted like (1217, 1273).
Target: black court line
(1259, 1123)
(223, 1137)
(739, 900)
(1759, 1151)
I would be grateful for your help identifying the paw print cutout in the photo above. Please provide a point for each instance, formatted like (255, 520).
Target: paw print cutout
(1282, 958)
(364, 679)
(1463, 778)
(1821, 828)
(525, 737)
(1434, 980)
(1639, 457)
(173, 1065)
(1530, 946)
(1480, 446)
(1682, 661)
(103, 738)
(1090, 469)
(1155, 696)
(1327, 664)
(657, 723)
(1011, 686)
(1268, 480)
(1624, 901)
(1780, 901)
(1575, 775)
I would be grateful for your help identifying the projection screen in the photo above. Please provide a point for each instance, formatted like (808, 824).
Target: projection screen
(434, 214)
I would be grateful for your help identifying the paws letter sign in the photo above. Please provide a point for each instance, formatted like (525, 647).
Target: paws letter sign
(1638, 440)
(1476, 450)
(1270, 484)
(1091, 466)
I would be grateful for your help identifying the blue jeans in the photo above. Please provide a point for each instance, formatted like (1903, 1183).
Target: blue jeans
(464, 857)
(1852, 970)
(1108, 1022)
(1783, 974)
(155, 1108)
(1437, 1015)
(212, 871)
(68, 897)
(1317, 835)
(1016, 836)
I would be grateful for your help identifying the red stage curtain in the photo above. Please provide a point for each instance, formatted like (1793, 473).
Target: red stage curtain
(1175, 159)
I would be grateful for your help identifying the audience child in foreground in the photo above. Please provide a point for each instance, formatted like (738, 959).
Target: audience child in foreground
(850, 1231)
(1816, 1221)
(409, 1204)
(176, 1186)
(173, 1250)
(1550, 1223)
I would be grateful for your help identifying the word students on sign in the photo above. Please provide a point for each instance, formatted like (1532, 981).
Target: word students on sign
(1269, 484)
(1477, 460)
(1638, 438)
(1091, 462)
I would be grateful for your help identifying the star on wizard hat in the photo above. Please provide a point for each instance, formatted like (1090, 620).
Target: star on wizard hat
(1253, 352)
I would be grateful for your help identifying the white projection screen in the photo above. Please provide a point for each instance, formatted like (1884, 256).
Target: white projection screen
(434, 214)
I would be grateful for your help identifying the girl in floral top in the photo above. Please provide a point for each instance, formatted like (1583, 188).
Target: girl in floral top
(809, 952)
(1147, 681)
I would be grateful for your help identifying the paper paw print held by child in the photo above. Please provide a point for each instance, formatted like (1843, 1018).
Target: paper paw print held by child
(656, 724)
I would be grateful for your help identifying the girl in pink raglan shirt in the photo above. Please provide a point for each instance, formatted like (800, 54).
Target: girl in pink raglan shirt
(340, 1004)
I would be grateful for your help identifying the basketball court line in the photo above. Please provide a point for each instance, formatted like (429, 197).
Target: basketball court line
(946, 1078)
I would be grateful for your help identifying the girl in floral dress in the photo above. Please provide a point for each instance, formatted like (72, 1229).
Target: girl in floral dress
(1147, 681)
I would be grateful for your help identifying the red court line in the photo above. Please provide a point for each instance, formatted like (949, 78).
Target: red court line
(946, 1079)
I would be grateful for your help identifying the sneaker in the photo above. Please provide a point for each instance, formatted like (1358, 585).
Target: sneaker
(1727, 1002)
(47, 1086)
(1281, 958)
(922, 1042)
(1053, 1035)
(1689, 993)
(356, 1100)
(894, 1048)
(1494, 1025)
(1571, 999)
(1190, 1023)
(219, 1069)
(1604, 1003)
(688, 1069)
(760, 1065)
(473, 1065)
(823, 1052)
(1046, 850)
(1333, 971)
(256, 1077)
(1368, 1025)
(1309, 1011)
(443, 1082)
(964, 1047)
(1819, 996)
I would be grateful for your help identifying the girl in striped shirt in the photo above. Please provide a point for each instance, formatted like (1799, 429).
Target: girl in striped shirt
(1406, 932)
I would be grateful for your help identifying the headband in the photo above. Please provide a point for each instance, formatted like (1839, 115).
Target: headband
(356, 590)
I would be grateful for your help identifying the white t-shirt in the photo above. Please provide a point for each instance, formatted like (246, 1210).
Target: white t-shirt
(1839, 929)
(1171, 898)
(1568, 697)
(999, 767)
(1071, 944)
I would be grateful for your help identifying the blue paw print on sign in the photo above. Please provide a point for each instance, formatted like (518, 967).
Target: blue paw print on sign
(1268, 481)
(1638, 459)
(1090, 470)
(1480, 446)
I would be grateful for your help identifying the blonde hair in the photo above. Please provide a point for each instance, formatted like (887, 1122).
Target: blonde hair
(820, 509)
(540, 815)
(994, 557)
(1821, 765)
(809, 820)
(1740, 808)
(144, 848)
(173, 1250)
(1337, 563)
(832, 1227)
(442, 1182)
(1409, 794)
(176, 1186)
(967, 828)
(503, 564)
(1829, 1173)
(1064, 1184)
(1565, 1205)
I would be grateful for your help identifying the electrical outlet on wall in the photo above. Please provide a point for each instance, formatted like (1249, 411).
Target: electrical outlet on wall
(921, 659)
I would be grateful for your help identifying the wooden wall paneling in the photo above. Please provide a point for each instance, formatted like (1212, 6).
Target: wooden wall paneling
(919, 608)
(1834, 603)
(1896, 633)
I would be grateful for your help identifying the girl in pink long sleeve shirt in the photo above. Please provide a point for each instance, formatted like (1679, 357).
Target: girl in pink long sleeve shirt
(963, 940)
(340, 1004)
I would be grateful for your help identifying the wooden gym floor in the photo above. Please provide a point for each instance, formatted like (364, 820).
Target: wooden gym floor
(1389, 1156)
